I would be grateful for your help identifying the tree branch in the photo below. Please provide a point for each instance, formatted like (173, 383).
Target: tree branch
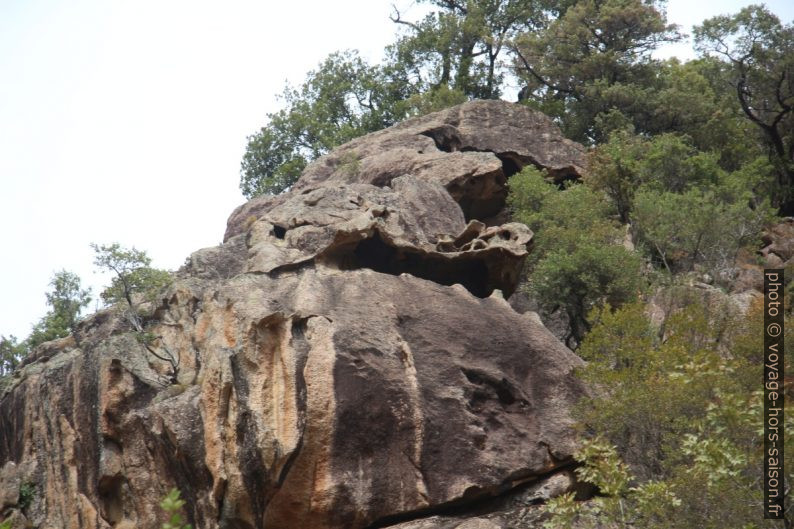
(398, 20)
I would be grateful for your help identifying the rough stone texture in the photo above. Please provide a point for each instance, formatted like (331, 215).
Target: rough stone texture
(779, 243)
(347, 360)
(777, 252)
(9, 494)
(403, 229)
(470, 149)
(522, 507)
(244, 215)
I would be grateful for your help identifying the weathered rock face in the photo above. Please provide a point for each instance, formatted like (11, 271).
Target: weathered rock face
(347, 357)
(470, 149)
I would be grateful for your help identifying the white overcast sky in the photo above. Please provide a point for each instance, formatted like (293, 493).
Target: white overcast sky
(125, 120)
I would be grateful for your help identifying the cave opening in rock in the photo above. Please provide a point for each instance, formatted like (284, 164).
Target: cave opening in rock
(111, 501)
(374, 253)
(279, 231)
(484, 198)
(511, 164)
(446, 138)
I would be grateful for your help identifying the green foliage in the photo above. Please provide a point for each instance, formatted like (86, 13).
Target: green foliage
(559, 217)
(135, 280)
(343, 98)
(578, 261)
(669, 163)
(683, 410)
(66, 300)
(172, 504)
(459, 46)
(27, 493)
(135, 283)
(696, 228)
(619, 503)
(11, 353)
(616, 168)
(432, 100)
(453, 54)
(593, 60)
(590, 275)
(758, 51)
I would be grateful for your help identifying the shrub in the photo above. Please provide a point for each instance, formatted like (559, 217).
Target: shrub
(172, 504)
(578, 261)
(684, 414)
(696, 228)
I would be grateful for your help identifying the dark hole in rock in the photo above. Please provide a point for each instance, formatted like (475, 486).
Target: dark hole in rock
(110, 498)
(446, 138)
(375, 254)
(500, 387)
(279, 232)
(563, 180)
(510, 165)
(484, 197)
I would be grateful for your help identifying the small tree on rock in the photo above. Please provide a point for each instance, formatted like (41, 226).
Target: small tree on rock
(11, 354)
(66, 300)
(135, 283)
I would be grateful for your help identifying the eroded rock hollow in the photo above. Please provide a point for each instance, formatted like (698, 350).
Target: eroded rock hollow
(348, 359)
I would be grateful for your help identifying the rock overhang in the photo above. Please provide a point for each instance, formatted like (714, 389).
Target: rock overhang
(412, 227)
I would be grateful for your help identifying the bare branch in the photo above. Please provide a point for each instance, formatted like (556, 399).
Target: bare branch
(398, 20)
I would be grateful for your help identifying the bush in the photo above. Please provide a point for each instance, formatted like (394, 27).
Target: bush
(696, 228)
(684, 414)
(588, 276)
(578, 261)
(134, 283)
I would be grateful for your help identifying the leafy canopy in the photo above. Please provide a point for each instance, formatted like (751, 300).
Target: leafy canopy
(674, 425)
(134, 279)
(66, 301)
(578, 261)
(593, 62)
(759, 54)
(343, 98)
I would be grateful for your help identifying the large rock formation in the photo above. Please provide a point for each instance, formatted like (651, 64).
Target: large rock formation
(347, 356)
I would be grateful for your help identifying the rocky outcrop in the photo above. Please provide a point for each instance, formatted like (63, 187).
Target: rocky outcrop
(471, 150)
(347, 357)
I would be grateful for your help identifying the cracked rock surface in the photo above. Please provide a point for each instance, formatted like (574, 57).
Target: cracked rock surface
(348, 358)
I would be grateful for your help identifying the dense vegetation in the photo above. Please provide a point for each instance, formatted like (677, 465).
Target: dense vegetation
(588, 64)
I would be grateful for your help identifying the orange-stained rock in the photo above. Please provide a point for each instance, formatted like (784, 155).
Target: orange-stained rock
(347, 356)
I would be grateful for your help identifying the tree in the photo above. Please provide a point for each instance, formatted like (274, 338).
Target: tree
(453, 54)
(589, 276)
(666, 162)
(683, 413)
(134, 283)
(343, 98)
(66, 300)
(696, 228)
(593, 61)
(760, 53)
(459, 46)
(578, 261)
(11, 354)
